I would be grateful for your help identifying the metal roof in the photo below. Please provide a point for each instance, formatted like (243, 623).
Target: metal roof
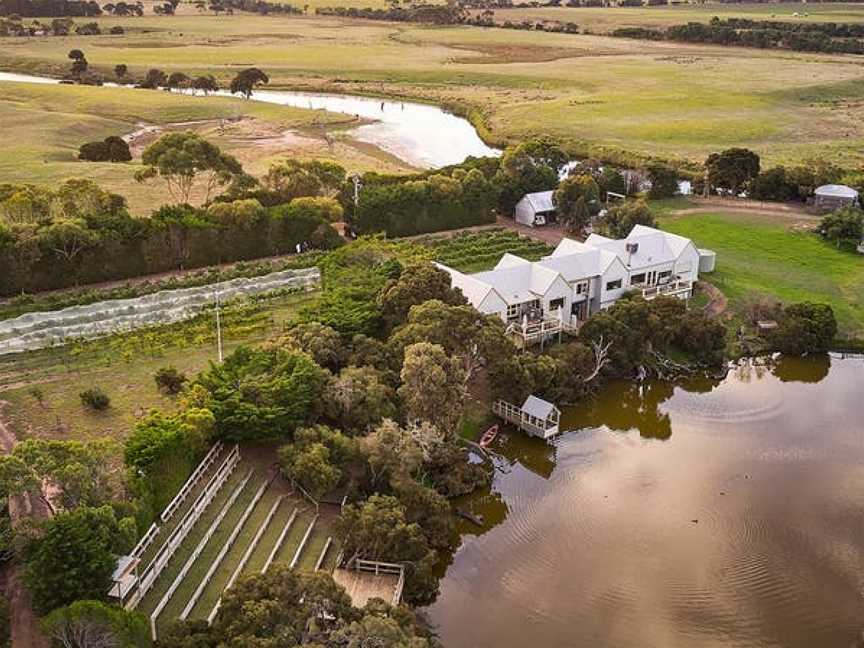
(836, 191)
(537, 407)
(540, 201)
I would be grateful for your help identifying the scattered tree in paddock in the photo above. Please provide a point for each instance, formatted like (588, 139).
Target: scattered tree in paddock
(246, 81)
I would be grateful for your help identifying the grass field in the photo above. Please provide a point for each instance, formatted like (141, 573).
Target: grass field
(123, 367)
(50, 123)
(665, 99)
(756, 256)
(602, 20)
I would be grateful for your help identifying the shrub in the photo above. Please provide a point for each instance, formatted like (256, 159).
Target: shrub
(806, 328)
(111, 149)
(94, 398)
(169, 380)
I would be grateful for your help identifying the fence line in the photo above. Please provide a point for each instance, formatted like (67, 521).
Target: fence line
(193, 480)
(201, 544)
(248, 554)
(303, 541)
(224, 550)
(165, 553)
(145, 541)
(280, 540)
(323, 553)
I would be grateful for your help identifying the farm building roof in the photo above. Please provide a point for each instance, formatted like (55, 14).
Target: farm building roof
(537, 407)
(836, 191)
(540, 201)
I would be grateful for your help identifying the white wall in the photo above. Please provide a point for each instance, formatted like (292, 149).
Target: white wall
(687, 265)
(615, 271)
(524, 213)
(492, 304)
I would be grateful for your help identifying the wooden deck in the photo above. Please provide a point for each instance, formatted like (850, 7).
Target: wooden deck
(362, 586)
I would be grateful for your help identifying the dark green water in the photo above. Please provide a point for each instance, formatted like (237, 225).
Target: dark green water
(706, 513)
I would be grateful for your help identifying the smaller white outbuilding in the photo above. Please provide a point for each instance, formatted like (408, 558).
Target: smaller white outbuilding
(834, 196)
(535, 209)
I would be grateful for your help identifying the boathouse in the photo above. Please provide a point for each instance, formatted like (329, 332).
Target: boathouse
(536, 416)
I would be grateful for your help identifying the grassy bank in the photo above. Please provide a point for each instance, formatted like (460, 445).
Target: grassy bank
(760, 256)
(50, 122)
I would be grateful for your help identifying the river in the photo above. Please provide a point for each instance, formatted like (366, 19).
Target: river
(424, 136)
(706, 513)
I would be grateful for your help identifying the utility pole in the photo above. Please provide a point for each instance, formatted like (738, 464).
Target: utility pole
(218, 327)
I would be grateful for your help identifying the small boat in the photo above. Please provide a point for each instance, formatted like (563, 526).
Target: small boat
(489, 436)
(471, 517)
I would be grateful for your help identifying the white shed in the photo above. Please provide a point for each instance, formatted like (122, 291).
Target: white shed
(535, 209)
(834, 196)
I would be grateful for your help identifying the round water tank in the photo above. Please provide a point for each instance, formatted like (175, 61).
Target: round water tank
(707, 260)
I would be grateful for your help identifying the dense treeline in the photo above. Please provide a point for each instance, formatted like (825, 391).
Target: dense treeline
(435, 202)
(421, 13)
(79, 233)
(835, 38)
(49, 8)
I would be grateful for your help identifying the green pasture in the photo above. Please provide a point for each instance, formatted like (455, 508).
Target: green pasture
(761, 256)
(656, 99)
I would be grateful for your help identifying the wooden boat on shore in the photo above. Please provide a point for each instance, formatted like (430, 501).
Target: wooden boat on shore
(489, 436)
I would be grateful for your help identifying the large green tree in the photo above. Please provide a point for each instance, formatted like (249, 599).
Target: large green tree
(573, 199)
(73, 555)
(433, 386)
(94, 624)
(246, 80)
(732, 169)
(182, 159)
(263, 393)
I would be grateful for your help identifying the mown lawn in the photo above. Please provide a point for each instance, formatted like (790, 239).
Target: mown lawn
(755, 256)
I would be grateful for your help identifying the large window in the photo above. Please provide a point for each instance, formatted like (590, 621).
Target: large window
(512, 311)
(582, 288)
(637, 279)
(555, 304)
(613, 285)
(663, 277)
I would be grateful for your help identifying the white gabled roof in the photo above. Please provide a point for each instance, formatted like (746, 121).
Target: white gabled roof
(540, 201)
(569, 246)
(836, 191)
(538, 407)
(654, 246)
(510, 261)
(518, 280)
(475, 291)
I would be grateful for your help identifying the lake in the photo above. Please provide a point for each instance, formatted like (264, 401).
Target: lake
(423, 135)
(705, 513)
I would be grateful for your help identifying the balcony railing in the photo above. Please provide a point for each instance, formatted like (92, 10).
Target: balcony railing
(671, 288)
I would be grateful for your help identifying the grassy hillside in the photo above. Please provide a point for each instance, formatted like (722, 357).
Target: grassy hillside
(50, 122)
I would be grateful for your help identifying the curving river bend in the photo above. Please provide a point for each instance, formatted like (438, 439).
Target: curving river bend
(708, 513)
(422, 135)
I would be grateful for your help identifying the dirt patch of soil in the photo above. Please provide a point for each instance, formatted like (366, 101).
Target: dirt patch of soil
(493, 53)
(717, 303)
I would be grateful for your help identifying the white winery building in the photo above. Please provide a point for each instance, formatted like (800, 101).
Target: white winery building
(579, 279)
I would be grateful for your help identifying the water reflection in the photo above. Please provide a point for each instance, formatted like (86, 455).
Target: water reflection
(744, 527)
(422, 135)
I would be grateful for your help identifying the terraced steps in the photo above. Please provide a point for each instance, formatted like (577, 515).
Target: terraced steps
(186, 588)
(173, 567)
(165, 529)
(292, 541)
(211, 593)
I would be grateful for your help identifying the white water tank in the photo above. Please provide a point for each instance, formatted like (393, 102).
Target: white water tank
(707, 260)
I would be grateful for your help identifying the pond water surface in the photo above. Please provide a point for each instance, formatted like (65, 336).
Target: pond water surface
(422, 135)
(705, 513)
